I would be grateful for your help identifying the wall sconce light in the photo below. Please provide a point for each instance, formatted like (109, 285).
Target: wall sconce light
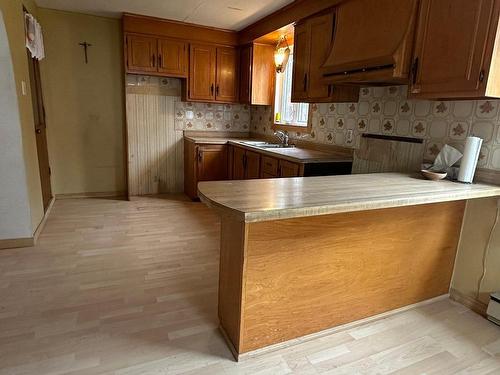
(281, 55)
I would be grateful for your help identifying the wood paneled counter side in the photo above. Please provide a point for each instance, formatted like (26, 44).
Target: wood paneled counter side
(301, 256)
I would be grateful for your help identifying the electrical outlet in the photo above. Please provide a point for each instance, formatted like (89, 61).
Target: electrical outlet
(350, 135)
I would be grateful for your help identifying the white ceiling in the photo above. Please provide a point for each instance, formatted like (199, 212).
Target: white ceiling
(226, 14)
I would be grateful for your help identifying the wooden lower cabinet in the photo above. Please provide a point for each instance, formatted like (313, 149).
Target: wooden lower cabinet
(245, 164)
(252, 165)
(203, 162)
(274, 168)
(288, 169)
(209, 162)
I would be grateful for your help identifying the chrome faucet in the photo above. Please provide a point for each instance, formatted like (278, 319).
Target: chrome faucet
(283, 137)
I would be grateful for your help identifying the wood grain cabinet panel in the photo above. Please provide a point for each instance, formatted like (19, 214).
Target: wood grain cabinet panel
(454, 47)
(213, 74)
(203, 162)
(269, 167)
(226, 76)
(246, 164)
(202, 64)
(288, 169)
(212, 162)
(257, 74)
(312, 42)
(373, 42)
(252, 167)
(301, 49)
(238, 163)
(172, 57)
(141, 54)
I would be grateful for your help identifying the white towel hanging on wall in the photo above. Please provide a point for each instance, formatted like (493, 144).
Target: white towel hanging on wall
(34, 37)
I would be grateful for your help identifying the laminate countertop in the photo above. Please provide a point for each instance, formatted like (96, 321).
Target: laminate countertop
(293, 154)
(283, 198)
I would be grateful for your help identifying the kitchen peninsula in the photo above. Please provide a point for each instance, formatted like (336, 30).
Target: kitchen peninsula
(302, 255)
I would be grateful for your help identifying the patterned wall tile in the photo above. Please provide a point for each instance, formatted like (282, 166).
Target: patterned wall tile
(387, 110)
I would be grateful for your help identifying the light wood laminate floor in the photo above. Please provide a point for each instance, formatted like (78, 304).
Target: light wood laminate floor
(120, 287)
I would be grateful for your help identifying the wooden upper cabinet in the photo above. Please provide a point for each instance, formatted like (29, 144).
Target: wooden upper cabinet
(202, 64)
(454, 48)
(226, 75)
(142, 54)
(246, 74)
(172, 57)
(312, 42)
(257, 74)
(321, 34)
(213, 73)
(372, 42)
(301, 55)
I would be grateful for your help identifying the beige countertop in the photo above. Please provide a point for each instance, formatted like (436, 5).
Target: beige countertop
(294, 154)
(281, 198)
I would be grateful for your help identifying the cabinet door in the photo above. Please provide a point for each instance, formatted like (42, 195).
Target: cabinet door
(288, 169)
(269, 167)
(202, 61)
(252, 165)
(451, 47)
(320, 34)
(300, 62)
(227, 70)
(141, 54)
(172, 57)
(238, 163)
(246, 74)
(212, 163)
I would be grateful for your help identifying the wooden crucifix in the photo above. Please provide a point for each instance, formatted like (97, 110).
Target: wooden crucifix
(85, 46)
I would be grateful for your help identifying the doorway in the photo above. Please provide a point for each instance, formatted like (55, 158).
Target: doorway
(40, 130)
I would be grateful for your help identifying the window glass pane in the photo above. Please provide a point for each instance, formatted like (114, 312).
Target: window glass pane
(286, 112)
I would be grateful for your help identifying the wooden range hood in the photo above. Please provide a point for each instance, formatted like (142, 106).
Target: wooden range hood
(375, 49)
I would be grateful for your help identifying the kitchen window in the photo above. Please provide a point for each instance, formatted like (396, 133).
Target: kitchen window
(286, 113)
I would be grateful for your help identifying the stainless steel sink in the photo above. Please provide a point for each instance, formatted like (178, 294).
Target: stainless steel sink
(263, 144)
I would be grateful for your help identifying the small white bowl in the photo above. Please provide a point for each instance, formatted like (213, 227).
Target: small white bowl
(434, 176)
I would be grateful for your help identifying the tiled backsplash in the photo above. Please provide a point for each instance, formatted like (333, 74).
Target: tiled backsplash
(192, 116)
(386, 110)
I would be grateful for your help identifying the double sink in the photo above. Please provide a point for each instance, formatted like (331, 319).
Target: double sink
(265, 145)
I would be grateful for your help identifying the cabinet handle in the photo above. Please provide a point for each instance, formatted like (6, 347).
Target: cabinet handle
(279, 170)
(217, 90)
(481, 75)
(244, 161)
(160, 62)
(153, 60)
(414, 71)
(200, 156)
(212, 89)
(305, 82)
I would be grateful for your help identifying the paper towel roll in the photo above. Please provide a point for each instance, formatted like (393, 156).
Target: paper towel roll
(469, 160)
